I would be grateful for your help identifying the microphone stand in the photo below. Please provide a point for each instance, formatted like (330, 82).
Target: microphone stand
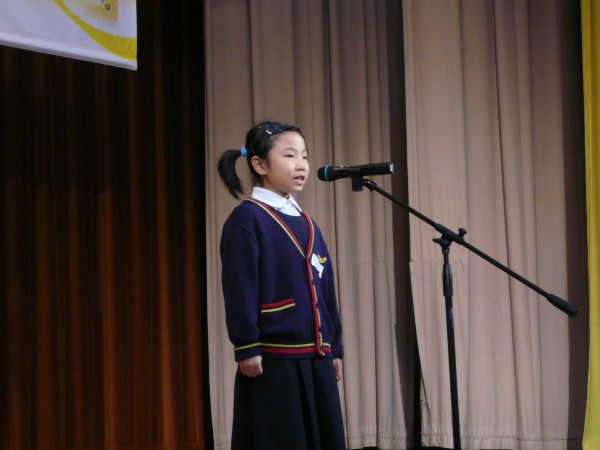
(446, 239)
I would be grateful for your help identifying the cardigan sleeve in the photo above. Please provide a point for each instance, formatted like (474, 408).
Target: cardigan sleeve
(240, 281)
(331, 302)
(336, 346)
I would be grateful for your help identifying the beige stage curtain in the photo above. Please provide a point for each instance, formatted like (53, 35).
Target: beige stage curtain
(494, 145)
(322, 65)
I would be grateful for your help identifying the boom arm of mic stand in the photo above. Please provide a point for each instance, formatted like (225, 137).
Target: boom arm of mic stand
(556, 301)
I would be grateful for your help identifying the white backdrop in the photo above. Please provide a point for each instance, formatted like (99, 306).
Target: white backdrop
(103, 31)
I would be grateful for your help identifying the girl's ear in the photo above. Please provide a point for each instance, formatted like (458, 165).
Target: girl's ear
(260, 165)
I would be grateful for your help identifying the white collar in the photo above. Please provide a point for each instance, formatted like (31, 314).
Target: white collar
(281, 204)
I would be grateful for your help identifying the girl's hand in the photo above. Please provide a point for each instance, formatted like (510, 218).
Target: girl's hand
(251, 367)
(337, 364)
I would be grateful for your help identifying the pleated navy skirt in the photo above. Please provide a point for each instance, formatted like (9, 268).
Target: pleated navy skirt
(293, 405)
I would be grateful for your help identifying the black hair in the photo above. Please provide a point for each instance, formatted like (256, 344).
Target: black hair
(259, 141)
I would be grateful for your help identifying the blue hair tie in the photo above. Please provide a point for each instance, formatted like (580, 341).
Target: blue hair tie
(243, 151)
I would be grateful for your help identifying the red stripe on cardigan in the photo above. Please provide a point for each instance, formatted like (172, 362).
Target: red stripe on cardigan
(275, 305)
(296, 351)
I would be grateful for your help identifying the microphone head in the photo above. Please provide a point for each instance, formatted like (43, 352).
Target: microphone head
(324, 174)
(332, 173)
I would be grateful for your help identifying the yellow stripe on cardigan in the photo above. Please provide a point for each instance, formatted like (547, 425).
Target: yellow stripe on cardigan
(244, 347)
(270, 310)
(310, 344)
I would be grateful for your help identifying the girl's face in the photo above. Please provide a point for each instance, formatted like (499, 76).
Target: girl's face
(286, 168)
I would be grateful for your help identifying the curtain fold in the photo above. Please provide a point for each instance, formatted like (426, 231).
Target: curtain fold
(325, 69)
(590, 15)
(490, 145)
(101, 226)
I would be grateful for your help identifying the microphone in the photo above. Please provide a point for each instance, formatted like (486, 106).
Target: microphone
(332, 173)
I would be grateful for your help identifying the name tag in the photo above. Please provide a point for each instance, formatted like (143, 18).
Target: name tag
(316, 262)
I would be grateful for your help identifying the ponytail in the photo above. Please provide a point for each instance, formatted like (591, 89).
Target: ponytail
(228, 174)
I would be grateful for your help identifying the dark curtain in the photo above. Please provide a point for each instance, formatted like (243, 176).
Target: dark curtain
(102, 280)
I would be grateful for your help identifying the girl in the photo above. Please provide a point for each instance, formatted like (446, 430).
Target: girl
(280, 302)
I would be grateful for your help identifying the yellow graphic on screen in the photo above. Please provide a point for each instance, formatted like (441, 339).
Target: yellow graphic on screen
(100, 20)
(107, 9)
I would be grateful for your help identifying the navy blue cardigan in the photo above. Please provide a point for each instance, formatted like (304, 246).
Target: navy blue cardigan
(280, 298)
